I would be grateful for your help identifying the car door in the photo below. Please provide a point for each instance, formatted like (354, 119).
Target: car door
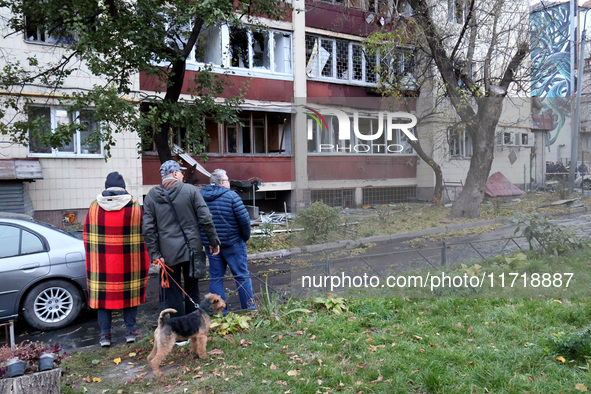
(23, 260)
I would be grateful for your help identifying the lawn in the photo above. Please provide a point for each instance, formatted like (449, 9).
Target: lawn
(407, 217)
(386, 345)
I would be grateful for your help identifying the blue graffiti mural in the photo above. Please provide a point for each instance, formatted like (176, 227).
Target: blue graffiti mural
(550, 62)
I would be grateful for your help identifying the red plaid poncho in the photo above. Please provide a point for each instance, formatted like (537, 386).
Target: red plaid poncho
(116, 259)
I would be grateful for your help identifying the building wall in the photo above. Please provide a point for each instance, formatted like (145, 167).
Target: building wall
(70, 184)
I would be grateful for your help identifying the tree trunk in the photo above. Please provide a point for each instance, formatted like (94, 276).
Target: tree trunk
(47, 382)
(483, 141)
(438, 190)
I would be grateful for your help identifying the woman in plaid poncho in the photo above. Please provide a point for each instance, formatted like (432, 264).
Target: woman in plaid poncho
(116, 259)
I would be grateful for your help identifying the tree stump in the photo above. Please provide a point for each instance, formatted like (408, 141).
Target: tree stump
(47, 382)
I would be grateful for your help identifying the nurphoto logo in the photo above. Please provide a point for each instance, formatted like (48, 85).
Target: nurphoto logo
(394, 121)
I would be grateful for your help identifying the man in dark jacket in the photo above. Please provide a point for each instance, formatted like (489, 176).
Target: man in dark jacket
(164, 238)
(232, 223)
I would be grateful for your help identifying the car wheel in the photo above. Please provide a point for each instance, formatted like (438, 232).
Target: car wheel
(587, 184)
(52, 304)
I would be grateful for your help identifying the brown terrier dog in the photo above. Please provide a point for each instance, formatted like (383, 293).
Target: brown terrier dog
(193, 326)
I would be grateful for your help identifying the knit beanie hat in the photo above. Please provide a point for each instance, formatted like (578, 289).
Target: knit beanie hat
(114, 179)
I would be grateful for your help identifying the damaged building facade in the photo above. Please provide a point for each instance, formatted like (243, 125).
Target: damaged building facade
(306, 62)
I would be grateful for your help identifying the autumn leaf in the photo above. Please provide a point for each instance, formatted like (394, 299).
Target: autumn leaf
(580, 387)
(273, 366)
(117, 360)
(215, 352)
(561, 359)
(379, 379)
(132, 354)
(293, 372)
(95, 362)
(353, 318)
(469, 330)
(198, 375)
(96, 380)
(281, 382)
(88, 380)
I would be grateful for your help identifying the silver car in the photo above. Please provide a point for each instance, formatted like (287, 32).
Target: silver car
(42, 273)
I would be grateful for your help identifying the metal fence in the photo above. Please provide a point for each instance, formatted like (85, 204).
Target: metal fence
(281, 279)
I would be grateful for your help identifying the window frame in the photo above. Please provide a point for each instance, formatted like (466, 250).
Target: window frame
(460, 144)
(41, 239)
(225, 53)
(76, 138)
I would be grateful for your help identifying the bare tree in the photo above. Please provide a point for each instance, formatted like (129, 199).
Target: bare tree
(477, 59)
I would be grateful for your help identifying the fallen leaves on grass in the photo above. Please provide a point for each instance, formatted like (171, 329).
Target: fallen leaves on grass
(215, 352)
(117, 360)
(580, 387)
(561, 359)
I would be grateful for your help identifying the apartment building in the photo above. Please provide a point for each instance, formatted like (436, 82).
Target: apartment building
(313, 62)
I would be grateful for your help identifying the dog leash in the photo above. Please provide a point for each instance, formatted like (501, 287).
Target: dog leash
(164, 276)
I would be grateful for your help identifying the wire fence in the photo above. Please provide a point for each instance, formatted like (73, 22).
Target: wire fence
(284, 279)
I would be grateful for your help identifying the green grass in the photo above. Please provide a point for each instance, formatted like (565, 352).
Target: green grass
(383, 345)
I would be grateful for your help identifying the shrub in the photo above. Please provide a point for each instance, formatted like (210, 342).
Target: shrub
(576, 345)
(553, 239)
(319, 221)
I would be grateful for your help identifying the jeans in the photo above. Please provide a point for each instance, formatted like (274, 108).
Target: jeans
(233, 256)
(104, 317)
(173, 296)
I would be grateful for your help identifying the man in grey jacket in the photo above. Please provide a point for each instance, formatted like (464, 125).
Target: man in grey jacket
(164, 238)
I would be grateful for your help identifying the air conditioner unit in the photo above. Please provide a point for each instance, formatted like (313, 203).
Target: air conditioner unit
(506, 139)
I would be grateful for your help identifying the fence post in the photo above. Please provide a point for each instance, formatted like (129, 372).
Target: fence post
(443, 254)
(326, 264)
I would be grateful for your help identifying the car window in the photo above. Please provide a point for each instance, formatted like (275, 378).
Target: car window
(30, 243)
(9, 241)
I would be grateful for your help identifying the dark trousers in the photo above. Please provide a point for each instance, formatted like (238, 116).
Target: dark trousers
(104, 319)
(173, 297)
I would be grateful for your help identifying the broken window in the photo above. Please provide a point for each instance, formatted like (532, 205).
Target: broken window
(357, 62)
(325, 57)
(343, 60)
(239, 48)
(282, 52)
(259, 133)
(209, 46)
(370, 67)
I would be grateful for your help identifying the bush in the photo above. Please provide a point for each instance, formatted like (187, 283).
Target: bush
(576, 345)
(553, 239)
(319, 222)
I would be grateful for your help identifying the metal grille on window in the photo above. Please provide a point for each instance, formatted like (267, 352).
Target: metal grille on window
(325, 57)
(357, 62)
(312, 56)
(387, 195)
(342, 198)
(370, 67)
(342, 59)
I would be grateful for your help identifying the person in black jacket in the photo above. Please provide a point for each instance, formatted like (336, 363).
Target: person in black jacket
(164, 239)
(232, 223)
